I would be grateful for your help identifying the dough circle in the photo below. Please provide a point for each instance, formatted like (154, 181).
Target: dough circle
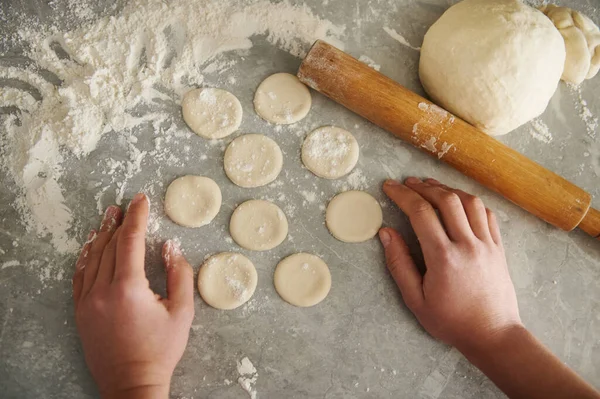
(302, 279)
(282, 99)
(192, 201)
(227, 280)
(353, 216)
(211, 113)
(253, 160)
(494, 63)
(258, 225)
(330, 152)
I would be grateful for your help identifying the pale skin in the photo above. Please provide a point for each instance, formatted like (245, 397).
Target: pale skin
(133, 339)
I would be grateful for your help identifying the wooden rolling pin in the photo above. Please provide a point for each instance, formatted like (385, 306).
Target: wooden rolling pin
(430, 128)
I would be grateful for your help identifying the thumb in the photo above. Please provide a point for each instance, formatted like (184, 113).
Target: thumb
(180, 279)
(402, 267)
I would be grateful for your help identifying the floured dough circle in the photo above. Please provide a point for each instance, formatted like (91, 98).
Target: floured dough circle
(330, 152)
(258, 225)
(253, 160)
(282, 99)
(192, 201)
(211, 113)
(302, 279)
(353, 216)
(227, 280)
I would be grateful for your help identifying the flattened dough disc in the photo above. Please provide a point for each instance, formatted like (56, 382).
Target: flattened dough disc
(282, 99)
(353, 216)
(253, 160)
(302, 279)
(330, 152)
(192, 201)
(211, 113)
(258, 225)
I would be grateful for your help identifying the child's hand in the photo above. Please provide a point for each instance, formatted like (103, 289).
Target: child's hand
(132, 339)
(466, 295)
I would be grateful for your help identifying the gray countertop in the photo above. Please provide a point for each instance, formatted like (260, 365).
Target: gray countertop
(361, 341)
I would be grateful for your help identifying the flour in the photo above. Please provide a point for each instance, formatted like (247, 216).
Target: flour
(369, 62)
(399, 38)
(248, 376)
(540, 131)
(591, 121)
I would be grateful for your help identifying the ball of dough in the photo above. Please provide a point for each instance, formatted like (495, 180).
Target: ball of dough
(494, 63)
(302, 279)
(282, 99)
(353, 216)
(192, 201)
(227, 280)
(258, 225)
(253, 160)
(211, 113)
(330, 152)
(582, 42)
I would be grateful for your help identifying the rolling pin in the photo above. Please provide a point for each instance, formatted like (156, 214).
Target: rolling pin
(430, 128)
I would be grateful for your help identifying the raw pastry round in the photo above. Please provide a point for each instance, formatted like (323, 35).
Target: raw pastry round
(192, 201)
(353, 216)
(302, 279)
(227, 280)
(494, 63)
(211, 113)
(258, 225)
(330, 152)
(282, 99)
(253, 160)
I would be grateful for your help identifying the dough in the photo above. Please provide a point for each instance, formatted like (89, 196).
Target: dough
(253, 160)
(582, 42)
(282, 99)
(302, 279)
(211, 113)
(494, 63)
(258, 225)
(192, 201)
(353, 216)
(330, 152)
(227, 280)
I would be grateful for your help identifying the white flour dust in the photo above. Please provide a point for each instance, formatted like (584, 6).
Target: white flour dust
(248, 376)
(369, 61)
(540, 131)
(399, 38)
(147, 56)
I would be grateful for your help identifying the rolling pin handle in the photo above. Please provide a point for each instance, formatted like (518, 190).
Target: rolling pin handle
(591, 223)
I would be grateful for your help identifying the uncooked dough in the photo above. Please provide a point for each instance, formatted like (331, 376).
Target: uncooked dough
(353, 216)
(211, 113)
(582, 42)
(330, 152)
(494, 63)
(282, 99)
(253, 160)
(192, 201)
(227, 280)
(302, 279)
(258, 225)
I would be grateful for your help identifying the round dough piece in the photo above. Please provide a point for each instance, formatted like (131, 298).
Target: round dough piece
(227, 280)
(192, 201)
(494, 63)
(302, 279)
(330, 152)
(282, 99)
(253, 160)
(353, 216)
(211, 113)
(258, 225)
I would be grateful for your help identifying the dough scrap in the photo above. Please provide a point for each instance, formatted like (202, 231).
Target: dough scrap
(282, 99)
(227, 280)
(330, 152)
(353, 216)
(582, 42)
(302, 279)
(192, 201)
(211, 113)
(258, 225)
(253, 160)
(494, 63)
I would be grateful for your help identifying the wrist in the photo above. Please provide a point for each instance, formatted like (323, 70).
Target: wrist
(140, 392)
(491, 342)
(137, 380)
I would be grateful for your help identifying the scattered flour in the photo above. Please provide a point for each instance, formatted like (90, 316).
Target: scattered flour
(398, 37)
(10, 263)
(248, 376)
(369, 62)
(539, 131)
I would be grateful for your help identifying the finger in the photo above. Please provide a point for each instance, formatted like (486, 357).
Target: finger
(449, 205)
(109, 258)
(131, 246)
(474, 209)
(494, 228)
(402, 268)
(109, 224)
(80, 266)
(180, 279)
(422, 216)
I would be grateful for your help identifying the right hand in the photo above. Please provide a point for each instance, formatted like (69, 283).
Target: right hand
(466, 296)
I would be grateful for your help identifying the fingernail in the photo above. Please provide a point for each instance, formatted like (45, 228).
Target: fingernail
(413, 180)
(174, 247)
(91, 236)
(138, 198)
(391, 182)
(385, 237)
(110, 218)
